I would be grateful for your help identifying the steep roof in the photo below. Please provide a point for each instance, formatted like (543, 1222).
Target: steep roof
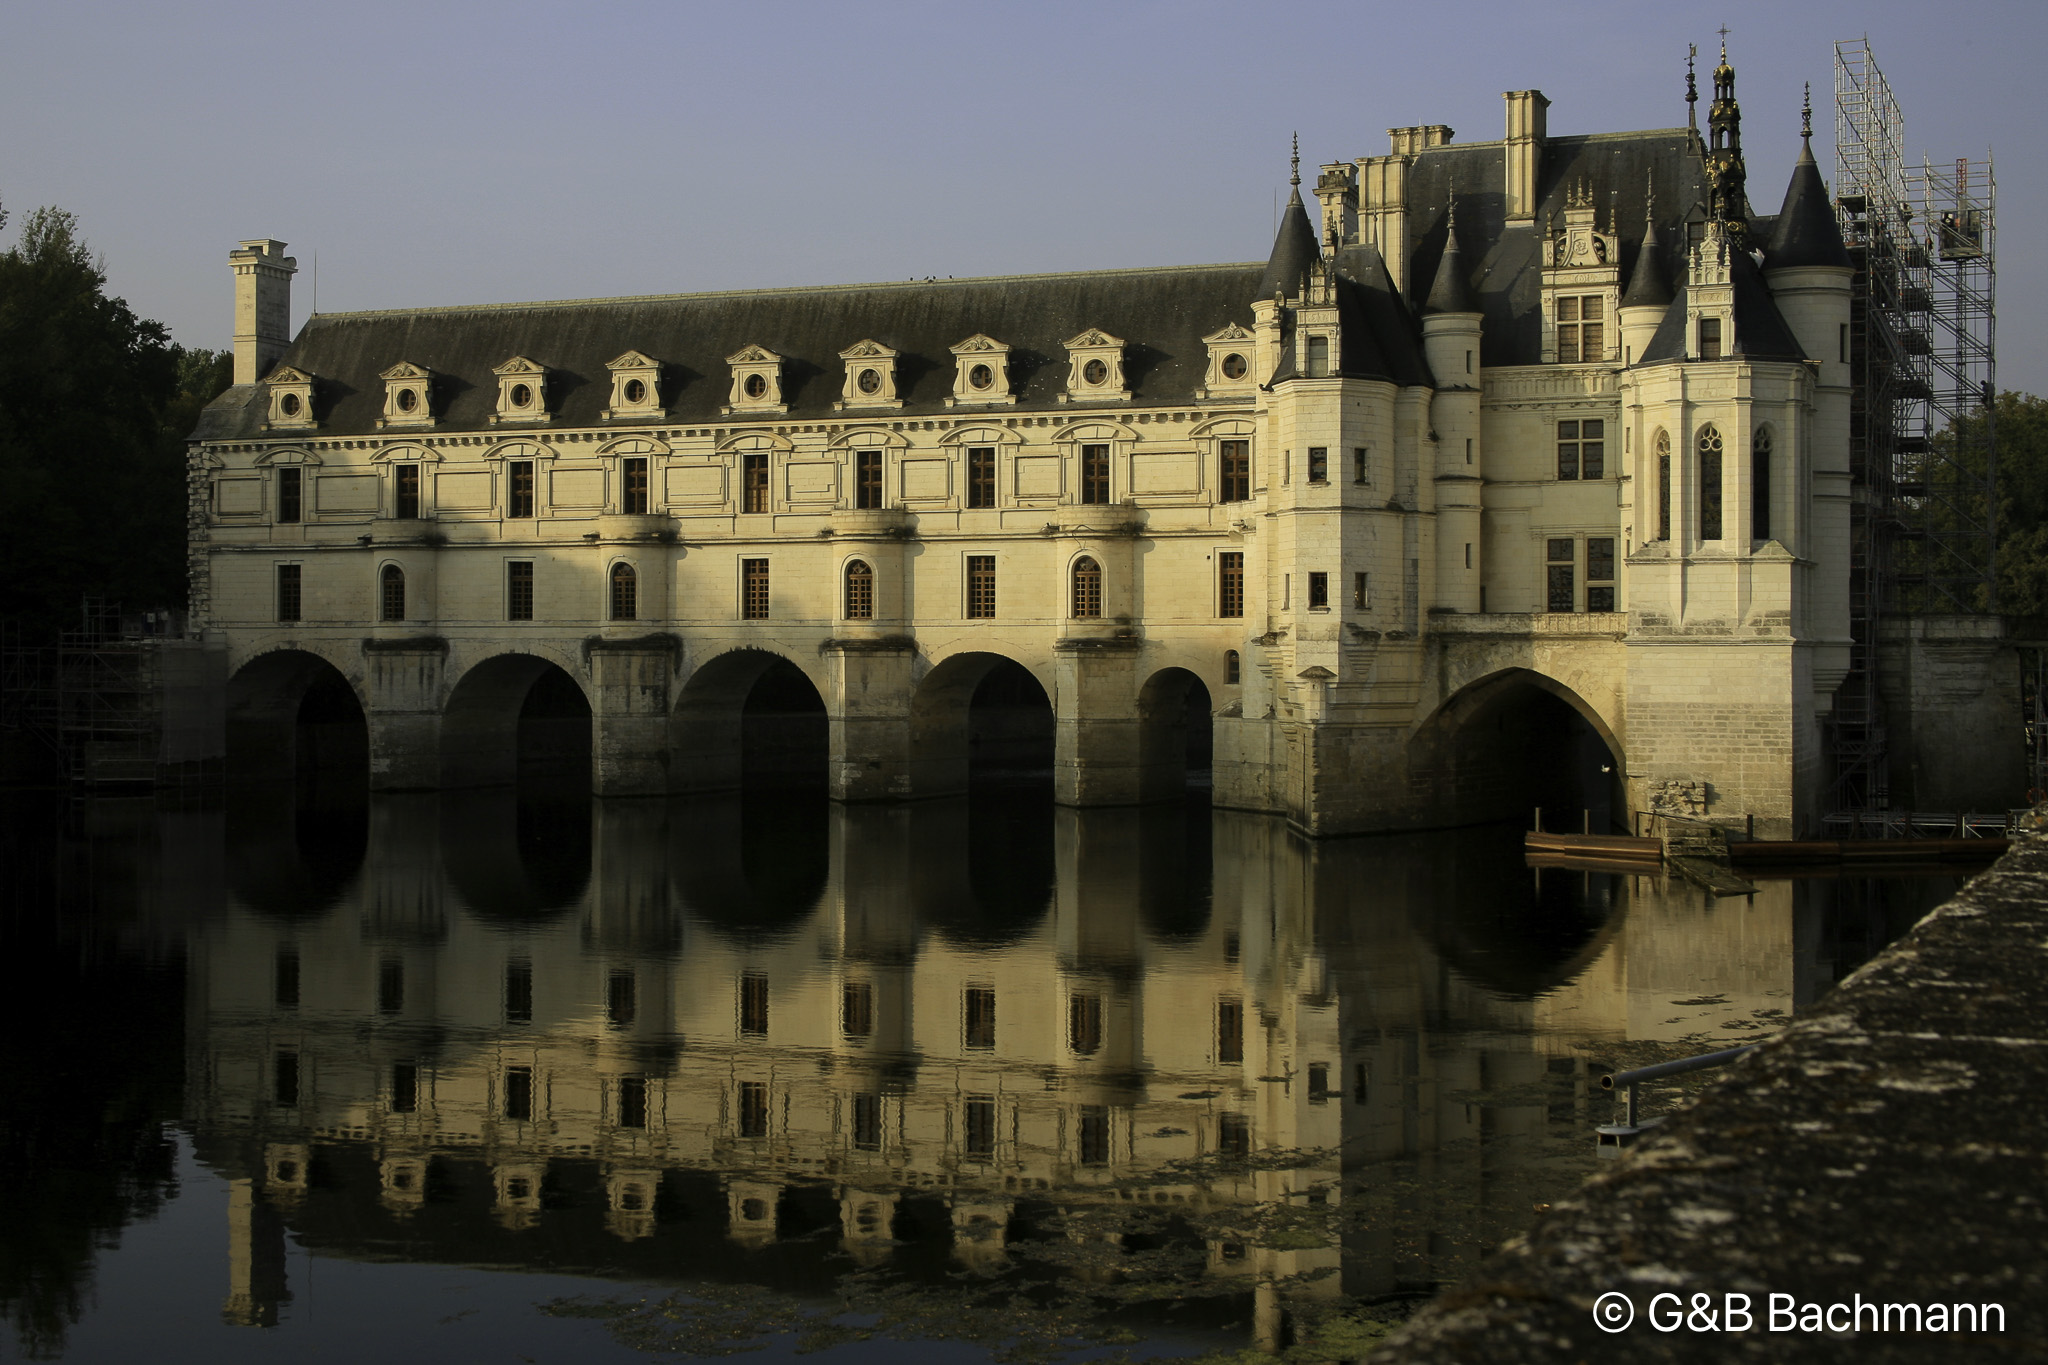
(1806, 232)
(1294, 251)
(1163, 313)
(1761, 332)
(1649, 285)
(1451, 292)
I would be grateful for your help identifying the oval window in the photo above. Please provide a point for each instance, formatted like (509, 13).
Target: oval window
(1234, 366)
(289, 405)
(756, 385)
(408, 399)
(980, 377)
(1094, 372)
(636, 391)
(870, 381)
(521, 395)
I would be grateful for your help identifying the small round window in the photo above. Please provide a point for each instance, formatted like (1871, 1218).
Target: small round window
(1094, 372)
(870, 381)
(289, 405)
(522, 396)
(980, 377)
(756, 385)
(408, 399)
(1234, 366)
(636, 391)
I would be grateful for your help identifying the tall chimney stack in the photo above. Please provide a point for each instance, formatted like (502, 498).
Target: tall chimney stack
(1527, 128)
(263, 306)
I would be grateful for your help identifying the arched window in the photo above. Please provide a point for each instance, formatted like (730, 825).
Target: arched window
(625, 593)
(1663, 485)
(391, 593)
(1710, 483)
(1230, 666)
(860, 591)
(1087, 587)
(1760, 485)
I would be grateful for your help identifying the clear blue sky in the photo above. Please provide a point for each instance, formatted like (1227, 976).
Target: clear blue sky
(466, 153)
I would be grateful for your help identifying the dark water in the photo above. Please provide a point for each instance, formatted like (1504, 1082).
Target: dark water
(489, 1078)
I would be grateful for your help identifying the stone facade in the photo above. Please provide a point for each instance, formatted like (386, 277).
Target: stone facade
(1502, 429)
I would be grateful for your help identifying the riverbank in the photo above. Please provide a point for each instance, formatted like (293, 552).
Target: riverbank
(1889, 1148)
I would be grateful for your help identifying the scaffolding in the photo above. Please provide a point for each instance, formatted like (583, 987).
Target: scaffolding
(1922, 434)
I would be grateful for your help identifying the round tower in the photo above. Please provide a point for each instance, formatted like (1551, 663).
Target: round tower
(1451, 334)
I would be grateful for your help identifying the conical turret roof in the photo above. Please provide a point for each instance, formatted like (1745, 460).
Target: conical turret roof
(1806, 231)
(1649, 286)
(1451, 292)
(1295, 247)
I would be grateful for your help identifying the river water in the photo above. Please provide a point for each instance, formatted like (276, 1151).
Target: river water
(502, 1078)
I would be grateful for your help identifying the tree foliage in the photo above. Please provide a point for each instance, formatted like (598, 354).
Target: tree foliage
(95, 405)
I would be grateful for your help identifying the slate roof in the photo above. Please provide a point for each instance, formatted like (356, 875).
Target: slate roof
(1452, 290)
(1162, 314)
(1761, 332)
(1295, 249)
(1648, 284)
(1806, 232)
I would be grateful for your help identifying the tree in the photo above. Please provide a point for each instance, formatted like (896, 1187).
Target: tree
(95, 404)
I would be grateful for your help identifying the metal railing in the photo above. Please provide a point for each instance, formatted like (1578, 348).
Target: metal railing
(1612, 1137)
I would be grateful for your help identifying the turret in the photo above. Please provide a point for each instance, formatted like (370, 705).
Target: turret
(1807, 267)
(1648, 296)
(1451, 331)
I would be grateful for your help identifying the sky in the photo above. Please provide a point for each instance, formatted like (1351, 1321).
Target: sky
(432, 153)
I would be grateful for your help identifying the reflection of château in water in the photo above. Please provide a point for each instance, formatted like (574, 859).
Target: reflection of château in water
(716, 1042)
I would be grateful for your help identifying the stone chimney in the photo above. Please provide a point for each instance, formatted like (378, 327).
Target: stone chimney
(263, 306)
(1527, 128)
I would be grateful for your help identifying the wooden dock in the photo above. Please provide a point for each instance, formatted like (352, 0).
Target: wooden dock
(1769, 858)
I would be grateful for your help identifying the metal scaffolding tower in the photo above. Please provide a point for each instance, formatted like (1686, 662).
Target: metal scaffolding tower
(1922, 434)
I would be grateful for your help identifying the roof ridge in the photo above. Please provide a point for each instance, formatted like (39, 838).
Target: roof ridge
(779, 289)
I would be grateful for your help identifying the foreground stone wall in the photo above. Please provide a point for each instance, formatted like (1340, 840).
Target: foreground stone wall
(1891, 1144)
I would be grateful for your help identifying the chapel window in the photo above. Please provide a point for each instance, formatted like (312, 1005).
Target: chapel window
(1581, 329)
(1236, 482)
(981, 476)
(860, 591)
(1095, 473)
(1087, 588)
(625, 593)
(867, 478)
(391, 594)
(1663, 486)
(289, 489)
(1710, 483)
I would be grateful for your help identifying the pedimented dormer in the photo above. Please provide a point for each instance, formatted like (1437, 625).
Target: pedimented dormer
(291, 399)
(1710, 297)
(1096, 369)
(1581, 288)
(870, 376)
(522, 392)
(408, 396)
(1230, 364)
(756, 381)
(981, 373)
(636, 388)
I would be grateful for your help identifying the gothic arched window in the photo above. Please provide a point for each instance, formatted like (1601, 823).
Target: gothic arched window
(1231, 666)
(1087, 588)
(391, 593)
(1663, 485)
(860, 591)
(625, 593)
(1710, 482)
(1760, 485)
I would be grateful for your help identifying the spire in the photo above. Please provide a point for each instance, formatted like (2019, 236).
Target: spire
(1692, 91)
(1294, 247)
(1451, 292)
(1806, 232)
(1727, 193)
(1649, 287)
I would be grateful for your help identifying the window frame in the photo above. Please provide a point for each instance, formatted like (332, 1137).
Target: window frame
(622, 595)
(1230, 585)
(867, 480)
(1084, 600)
(516, 584)
(1094, 487)
(755, 488)
(1710, 451)
(1608, 583)
(1561, 574)
(288, 592)
(1234, 469)
(406, 491)
(857, 594)
(291, 495)
(979, 580)
(633, 485)
(390, 593)
(521, 480)
(981, 476)
(756, 588)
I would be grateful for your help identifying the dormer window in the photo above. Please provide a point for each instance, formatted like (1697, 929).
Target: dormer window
(522, 391)
(1316, 357)
(636, 388)
(1097, 373)
(756, 381)
(1710, 338)
(870, 376)
(408, 396)
(1230, 364)
(981, 372)
(1581, 329)
(291, 399)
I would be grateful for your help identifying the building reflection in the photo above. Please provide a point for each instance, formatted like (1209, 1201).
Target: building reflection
(771, 1041)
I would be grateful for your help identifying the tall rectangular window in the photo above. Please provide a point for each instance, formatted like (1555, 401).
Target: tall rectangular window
(867, 478)
(632, 1101)
(1581, 331)
(1094, 1135)
(1229, 1029)
(1560, 561)
(1235, 471)
(1230, 583)
(1663, 488)
(289, 488)
(405, 1087)
(1760, 487)
(1599, 573)
(980, 1126)
(981, 586)
(857, 1009)
(519, 590)
(1318, 464)
(754, 589)
(1318, 592)
(1084, 1024)
(867, 1123)
(287, 592)
(1318, 1082)
(754, 1005)
(1361, 465)
(1095, 473)
(519, 992)
(1361, 593)
(1233, 1135)
(1582, 450)
(1710, 339)
(621, 999)
(981, 476)
(753, 1109)
(754, 481)
(1710, 484)
(519, 488)
(286, 993)
(1318, 357)
(391, 987)
(406, 490)
(284, 1080)
(860, 591)
(633, 484)
(978, 1017)
(519, 1092)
